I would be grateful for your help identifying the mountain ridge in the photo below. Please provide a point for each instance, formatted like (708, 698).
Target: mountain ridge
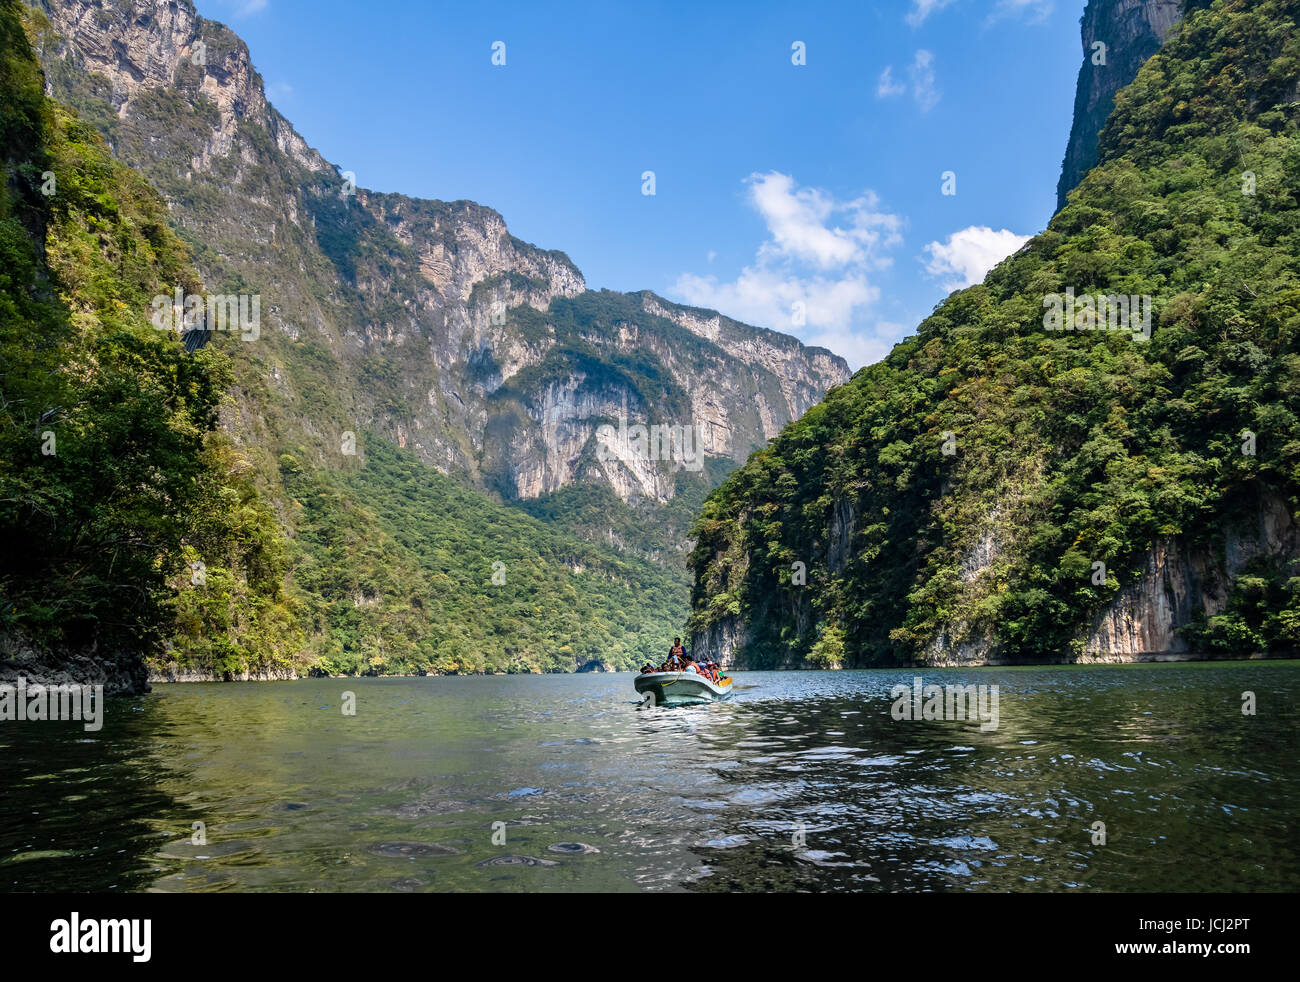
(453, 264)
(1003, 488)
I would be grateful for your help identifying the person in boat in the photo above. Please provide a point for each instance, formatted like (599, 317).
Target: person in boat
(691, 666)
(647, 667)
(676, 657)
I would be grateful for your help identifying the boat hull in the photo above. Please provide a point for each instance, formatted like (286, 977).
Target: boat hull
(681, 688)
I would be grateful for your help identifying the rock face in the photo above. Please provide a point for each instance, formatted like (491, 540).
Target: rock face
(1181, 584)
(1132, 31)
(171, 673)
(426, 322)
(119, 672)
(720, 643)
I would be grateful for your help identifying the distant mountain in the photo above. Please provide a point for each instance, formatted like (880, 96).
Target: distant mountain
(1042, 475)
(433, 426)
(425, 322)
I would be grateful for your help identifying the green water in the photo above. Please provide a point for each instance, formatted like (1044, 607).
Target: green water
(803, 781)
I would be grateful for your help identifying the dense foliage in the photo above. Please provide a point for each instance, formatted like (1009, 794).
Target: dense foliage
(1064, 450)
(364, 334)
(409, 572)
(113, 478)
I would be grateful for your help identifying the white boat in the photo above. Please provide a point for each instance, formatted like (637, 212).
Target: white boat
(680, 688)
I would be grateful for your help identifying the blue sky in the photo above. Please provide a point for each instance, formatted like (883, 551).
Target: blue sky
(805, 198)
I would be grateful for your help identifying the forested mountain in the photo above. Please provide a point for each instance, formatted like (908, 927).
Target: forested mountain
(1015, 482)
(412, 458)
(425, 322)
(418, 445)
(114, 477)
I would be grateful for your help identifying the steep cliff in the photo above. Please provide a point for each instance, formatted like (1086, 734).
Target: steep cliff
(1184, 593)
(1129, 32)
(114, 477)
(425, 322)
(1033, 477)
(450, 428)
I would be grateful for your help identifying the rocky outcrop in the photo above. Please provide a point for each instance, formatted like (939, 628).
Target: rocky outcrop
(1131, 31)
(721, 642)
(802, 374)
(1145, 617)
(844, 519)
(119, 672)
(173, 673)
(1180, 585)
(140, 48)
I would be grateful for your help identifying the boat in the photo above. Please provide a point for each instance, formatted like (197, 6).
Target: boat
(681, 688)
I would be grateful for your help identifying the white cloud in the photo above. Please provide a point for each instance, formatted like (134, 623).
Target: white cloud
(921, 9)
(920, 75)
(243, 8)
(798, 222)
(279, 90)
(968, 255)
(1033, 11)
(887, 88)
(813, 275)
(767, 297)
(862, 346)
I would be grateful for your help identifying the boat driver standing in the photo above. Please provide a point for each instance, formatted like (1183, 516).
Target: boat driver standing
(676, 655)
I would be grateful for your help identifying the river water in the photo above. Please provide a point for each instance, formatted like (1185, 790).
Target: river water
(803, 781)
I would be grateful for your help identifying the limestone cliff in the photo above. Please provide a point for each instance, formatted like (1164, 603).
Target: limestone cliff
(424, 321)
(1181, 585)
(1131, 31)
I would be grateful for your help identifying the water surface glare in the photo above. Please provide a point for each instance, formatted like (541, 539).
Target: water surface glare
(803, 781)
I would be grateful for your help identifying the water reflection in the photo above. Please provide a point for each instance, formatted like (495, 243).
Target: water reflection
(802, 782)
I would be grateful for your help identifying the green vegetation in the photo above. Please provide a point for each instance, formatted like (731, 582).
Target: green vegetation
(595, 513)
(404, 583)
(148, 528)
(1070, 448)
(379, 318)
(113, 477)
